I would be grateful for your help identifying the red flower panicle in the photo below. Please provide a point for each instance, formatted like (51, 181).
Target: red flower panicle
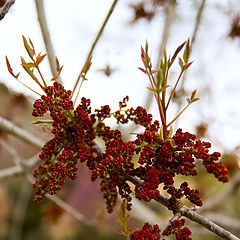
(159, 160)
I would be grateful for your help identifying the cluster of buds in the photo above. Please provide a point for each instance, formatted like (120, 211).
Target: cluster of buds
(156, 155)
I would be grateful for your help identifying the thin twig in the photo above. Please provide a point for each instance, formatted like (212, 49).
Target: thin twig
(95, 42)
(4, 10)
(46, 36)
(190, 214)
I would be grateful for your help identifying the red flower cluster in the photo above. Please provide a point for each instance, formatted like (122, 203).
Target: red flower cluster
(72, 133)
(162, 160)
(153, 232)
(175, 228)
(159, 160)
(147, 232)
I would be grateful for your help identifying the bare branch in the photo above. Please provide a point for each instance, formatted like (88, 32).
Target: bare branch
(4, 10)
(10, 172)
(65, 206)
(46, 36)
(22, 134)
(187, 212)
(95, 42)
(224, 220)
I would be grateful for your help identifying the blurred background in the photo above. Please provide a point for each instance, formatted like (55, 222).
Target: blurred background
(214, 29)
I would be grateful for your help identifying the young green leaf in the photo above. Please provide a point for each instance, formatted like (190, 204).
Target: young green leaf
(187, 51)
(176, 53)
(10, 68)
(181, 63)
(28, 70)
(28, 48)
(40, 57)
(143, 70)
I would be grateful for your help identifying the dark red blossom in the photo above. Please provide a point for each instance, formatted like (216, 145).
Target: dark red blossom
(147, 232)
(176, 227)
(159, 160)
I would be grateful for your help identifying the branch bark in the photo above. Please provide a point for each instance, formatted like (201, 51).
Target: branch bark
(4, 10)
(46, 36)
(22, 134)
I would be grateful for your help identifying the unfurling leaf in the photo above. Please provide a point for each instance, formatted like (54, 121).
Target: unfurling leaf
(8, 65)
(143, 70)
(27, 69)
(30, 65)
(193, 94)
(176, 53)
(181, 63)
(40, 57)
(195, 99)
(10, 69)
(186, 66)
(187, 51)
(158, 90)
(43, 122)
(29, 50)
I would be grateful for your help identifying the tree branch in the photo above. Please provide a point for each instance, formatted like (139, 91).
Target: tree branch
(46, 36)
(22, 134)
(4, 10)
(183, 210)
(187, 212)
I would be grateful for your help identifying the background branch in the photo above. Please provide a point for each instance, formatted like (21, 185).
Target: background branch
(46, 36)
(4, 10)
(20, 133)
